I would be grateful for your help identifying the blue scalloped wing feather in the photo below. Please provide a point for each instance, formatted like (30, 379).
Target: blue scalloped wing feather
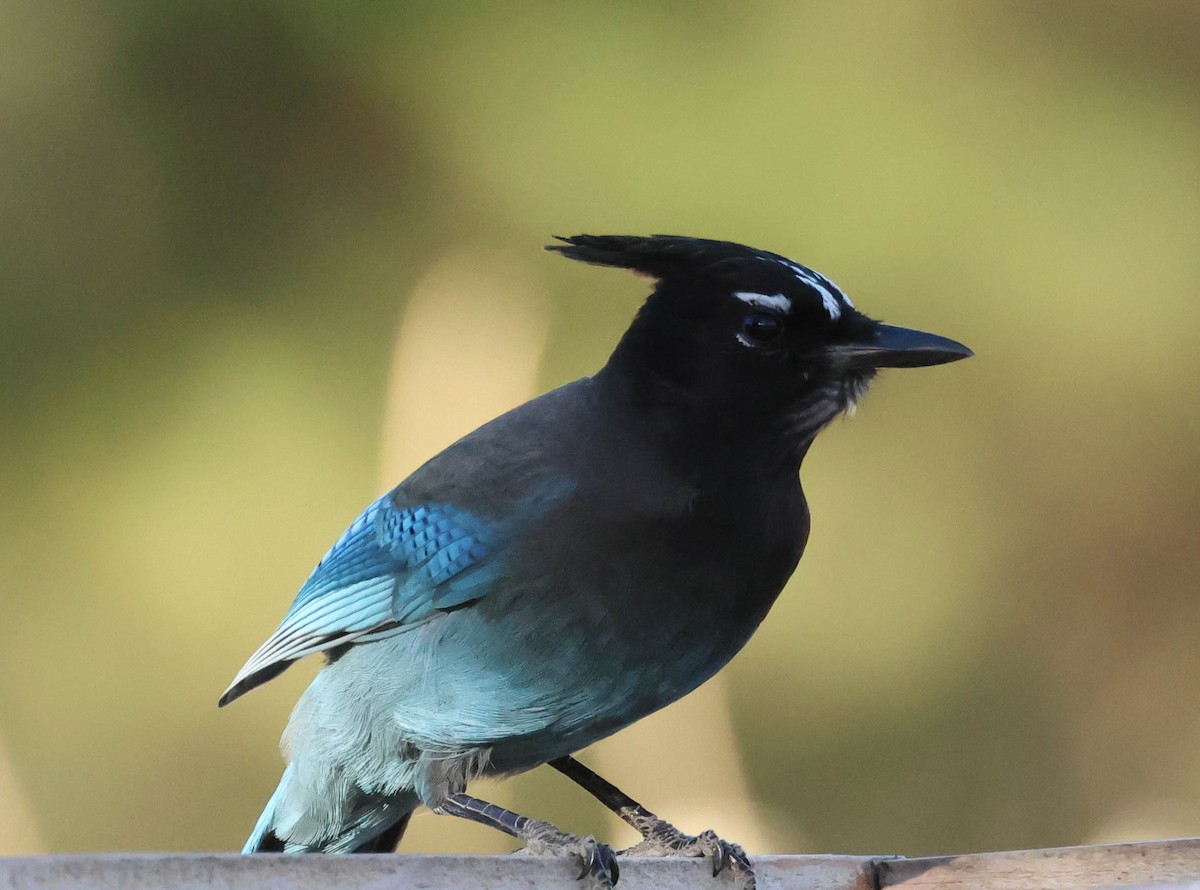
(394, 566)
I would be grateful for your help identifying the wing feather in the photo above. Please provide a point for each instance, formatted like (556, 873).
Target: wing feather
(393, 567)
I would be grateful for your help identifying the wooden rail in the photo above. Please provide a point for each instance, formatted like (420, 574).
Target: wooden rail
(1164, 865)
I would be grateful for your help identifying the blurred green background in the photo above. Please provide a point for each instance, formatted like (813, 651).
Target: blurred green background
(259, 260)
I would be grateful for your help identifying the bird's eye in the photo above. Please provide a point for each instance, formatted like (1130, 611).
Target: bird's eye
(760, 327)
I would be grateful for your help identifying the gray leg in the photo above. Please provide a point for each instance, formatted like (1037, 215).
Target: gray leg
(599, 865)
(659, 838)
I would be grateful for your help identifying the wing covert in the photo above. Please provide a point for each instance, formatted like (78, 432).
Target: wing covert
(393, 567)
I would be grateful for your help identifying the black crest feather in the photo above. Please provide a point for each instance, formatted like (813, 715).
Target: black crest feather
(660, 256)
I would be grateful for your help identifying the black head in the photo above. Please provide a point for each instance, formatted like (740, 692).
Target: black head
(749, 337)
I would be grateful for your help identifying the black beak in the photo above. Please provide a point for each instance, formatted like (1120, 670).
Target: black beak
(887, 346)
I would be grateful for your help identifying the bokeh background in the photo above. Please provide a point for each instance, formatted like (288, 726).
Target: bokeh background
(259, 260)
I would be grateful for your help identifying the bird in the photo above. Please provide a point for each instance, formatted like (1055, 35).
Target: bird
(575, 564)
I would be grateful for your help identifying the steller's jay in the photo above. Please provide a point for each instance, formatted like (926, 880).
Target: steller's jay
(575, 564)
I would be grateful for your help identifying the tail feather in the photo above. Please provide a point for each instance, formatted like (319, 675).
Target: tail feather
(388, 840)
(262, 839)
(378, 824)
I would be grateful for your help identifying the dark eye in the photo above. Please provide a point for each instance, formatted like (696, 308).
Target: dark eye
(760, 327)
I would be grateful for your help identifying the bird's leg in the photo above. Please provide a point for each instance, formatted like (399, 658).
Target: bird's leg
(598, 862)
(659, 837)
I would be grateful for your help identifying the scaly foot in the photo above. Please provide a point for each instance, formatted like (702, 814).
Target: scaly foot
(598, 862)
(661, 838)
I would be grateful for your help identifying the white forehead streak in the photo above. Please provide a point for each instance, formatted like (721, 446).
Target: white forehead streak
(824, 287)
(778, 302)
(832, 306)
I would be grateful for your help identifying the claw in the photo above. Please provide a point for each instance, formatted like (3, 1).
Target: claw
(730, 856)
(717, 850)
(598, 863)
(663, 839)
(725, 855)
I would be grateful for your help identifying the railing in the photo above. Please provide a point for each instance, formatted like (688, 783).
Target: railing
(1159, 864)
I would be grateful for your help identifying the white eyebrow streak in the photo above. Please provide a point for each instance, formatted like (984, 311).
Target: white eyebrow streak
(778, 302)
(832, 306)
(823, 286)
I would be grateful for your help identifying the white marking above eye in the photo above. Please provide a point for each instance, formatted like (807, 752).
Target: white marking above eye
(832, 306)
(831, 294)
(777, 302)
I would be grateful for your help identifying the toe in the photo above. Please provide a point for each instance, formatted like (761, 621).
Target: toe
(727, 856)
(598, 865)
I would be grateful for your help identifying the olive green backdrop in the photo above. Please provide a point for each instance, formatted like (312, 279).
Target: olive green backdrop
(213, 221)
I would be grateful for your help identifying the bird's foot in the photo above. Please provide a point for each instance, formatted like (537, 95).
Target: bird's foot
(597, 861)
(661, 838)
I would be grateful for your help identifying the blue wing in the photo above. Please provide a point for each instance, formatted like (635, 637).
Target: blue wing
(392, 568)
